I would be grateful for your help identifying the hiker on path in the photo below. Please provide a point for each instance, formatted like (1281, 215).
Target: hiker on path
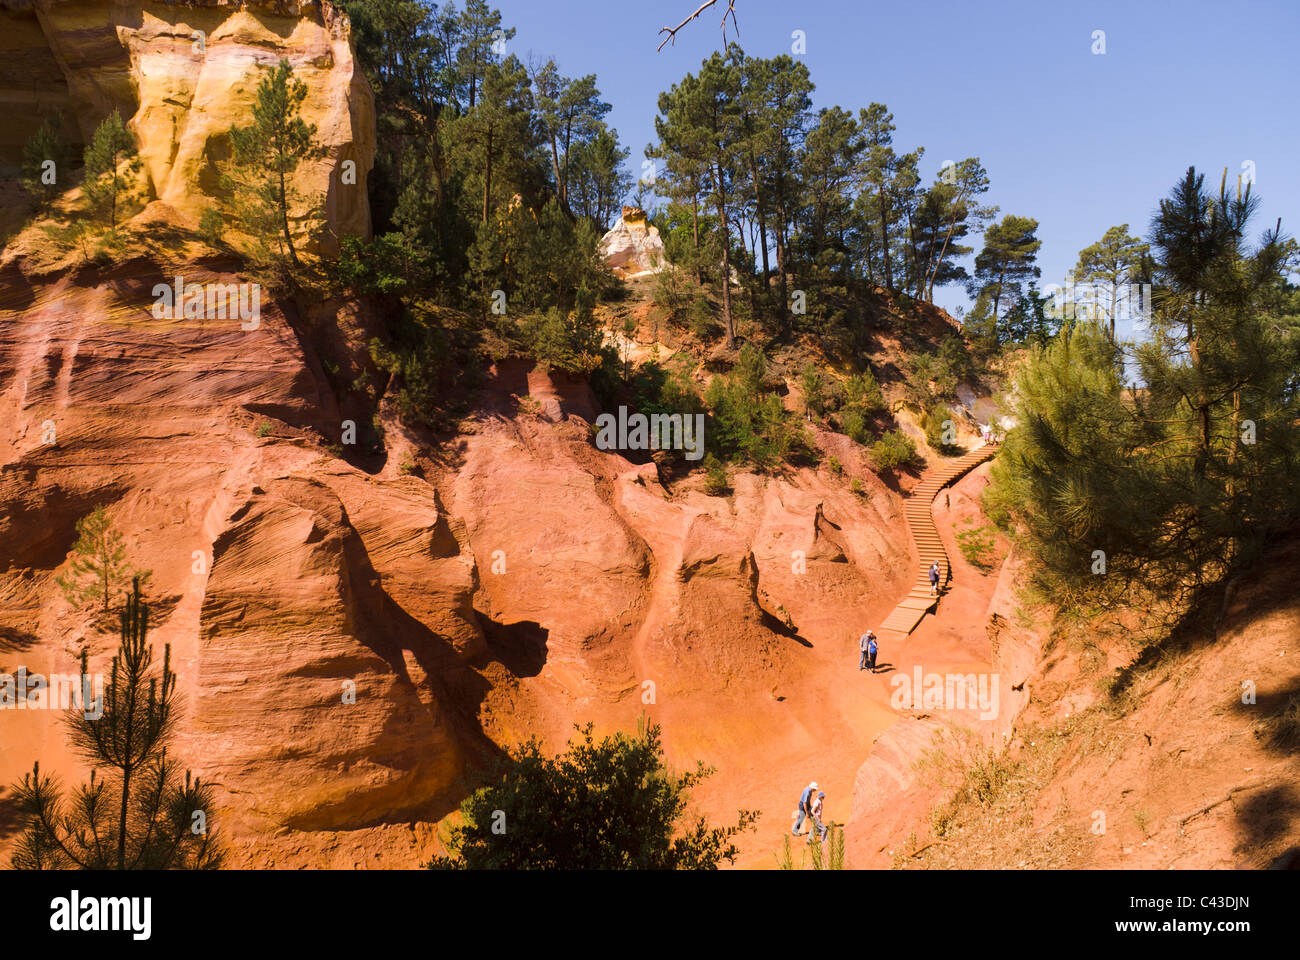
(871, 652)
(805, 807)
(818, 829)
(934, 579)
(866, 643)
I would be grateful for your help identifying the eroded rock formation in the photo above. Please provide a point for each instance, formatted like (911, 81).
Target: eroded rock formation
(181, 74)
(632, 247)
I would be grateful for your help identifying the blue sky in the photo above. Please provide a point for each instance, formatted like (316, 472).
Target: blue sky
(1077, 140)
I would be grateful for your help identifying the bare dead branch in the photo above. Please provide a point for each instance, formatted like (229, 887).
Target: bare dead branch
(1223, 799)
(729, 12)
(921, 849)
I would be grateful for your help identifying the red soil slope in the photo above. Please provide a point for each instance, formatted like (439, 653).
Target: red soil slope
(525, 583)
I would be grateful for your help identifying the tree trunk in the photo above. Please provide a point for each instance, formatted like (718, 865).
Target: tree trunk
(762, 223)
(943, 250)
(726, 260)
(555, 166)
(916, 260)
(564, 177)
(884, 239)
(1114, 303)
(997, 300)
(284, 213)
(695, 231)
(780, 256)
(1202, 408)
(487, 176)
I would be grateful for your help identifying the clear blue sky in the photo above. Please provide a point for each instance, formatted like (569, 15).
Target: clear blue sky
(1076, 140)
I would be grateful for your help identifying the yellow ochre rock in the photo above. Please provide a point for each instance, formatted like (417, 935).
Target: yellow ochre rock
(181, 74)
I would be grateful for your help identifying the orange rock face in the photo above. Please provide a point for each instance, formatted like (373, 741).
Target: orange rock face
(312, 609)
(348, 643)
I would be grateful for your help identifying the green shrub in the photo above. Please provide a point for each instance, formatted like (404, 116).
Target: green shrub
(813, 384)
(931, 378)
(634, 811)
(665, 388)
(854, 425)
(436, 367)
(564, 341)
(895, 449)
(715, 476)
(976, 546)
(862, 394)
(703, 323)
(752, 425)
(212, 227)
(671, 292)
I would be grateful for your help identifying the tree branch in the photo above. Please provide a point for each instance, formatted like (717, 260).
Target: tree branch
(730, 11)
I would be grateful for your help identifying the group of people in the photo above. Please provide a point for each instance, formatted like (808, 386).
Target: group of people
(810, 809)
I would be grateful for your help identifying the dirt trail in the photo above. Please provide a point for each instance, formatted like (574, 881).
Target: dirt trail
(842, 711)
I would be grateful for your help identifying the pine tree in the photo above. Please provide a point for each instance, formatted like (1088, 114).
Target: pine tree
(110, 166)
(1114, 260)
(138, 816)
(571, 114)
(945, 214)
(1009, 257)
(685, 154)
(1176, 486)
(829, 164)
(482, 40)
(879, 169)
(46, 158)
(264, 157)
(597, 177)
(99, 563)
(787, 89)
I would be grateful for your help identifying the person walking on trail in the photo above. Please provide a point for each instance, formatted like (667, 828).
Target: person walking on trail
(865, 643)
(934, 579)
(804, 808)
(817, 829)
(871, 653)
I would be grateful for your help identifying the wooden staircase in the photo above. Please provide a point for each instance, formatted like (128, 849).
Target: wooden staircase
(918, 601)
